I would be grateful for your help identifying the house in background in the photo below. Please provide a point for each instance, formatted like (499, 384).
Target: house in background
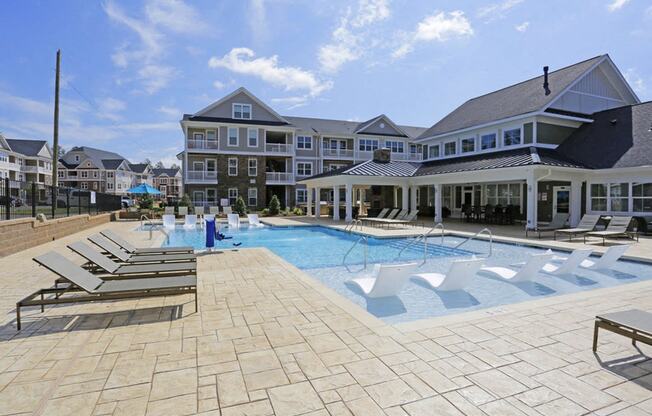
(98, 170)
(168, 181)
(26, 160)
(142, 173)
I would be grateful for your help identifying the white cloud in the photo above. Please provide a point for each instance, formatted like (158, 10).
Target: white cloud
(371, 11)
(109, 108)
(292, 102)
(243, 61)
(257, 19)
(170, 111)
(219, 85)
(440, 27)
(522, 27)
(175, 16)
(616, 5)
(497, 10)
(155, 77)
(636, 81)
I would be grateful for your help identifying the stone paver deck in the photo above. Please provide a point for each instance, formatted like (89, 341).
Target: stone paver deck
(269, 340)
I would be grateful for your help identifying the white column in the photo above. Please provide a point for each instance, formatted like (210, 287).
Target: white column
(395, 197)
(349, 202)
(575, 203)
(404, 196)
(308, 202)
(317, 202)
(362, 199)
(438, 217)
(413, 198)
(532, 200)
(336, 203)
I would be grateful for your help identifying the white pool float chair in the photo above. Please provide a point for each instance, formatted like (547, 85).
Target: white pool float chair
(191, 221)
(253, 220)
(169, 210)
(385, 280)
(227, 210)
(168, 221)
(183, 211)
(459, 275)
(606, 261)
(234, 221)
(526, 272)
(570, 264)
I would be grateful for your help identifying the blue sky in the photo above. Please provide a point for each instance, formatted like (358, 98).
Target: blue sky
(132, 68)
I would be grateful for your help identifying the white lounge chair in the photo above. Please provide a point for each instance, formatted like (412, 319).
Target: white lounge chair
(254, 221)
(569, 264)
(191, 221)
(227, 210)
(214, 210)
(234, 221)
(183, 211)
(169, 210)
(385, 280)
(604, 262)
(459, 275)
(526, 273)
(169, 221)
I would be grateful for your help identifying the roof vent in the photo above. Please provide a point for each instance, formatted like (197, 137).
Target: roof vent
(613, 121)
(383, 155)
(545, 80)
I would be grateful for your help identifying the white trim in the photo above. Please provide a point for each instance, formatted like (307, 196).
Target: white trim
(312, 171)
(228, 137)
(475, 145)
(443, 153)
(228, 194)
(233, 94)
(249, 166)
(249, 204)
(249, 129)
(228, 166)
(510, 128)
(243, 105)
(387, 119)
(296, 142)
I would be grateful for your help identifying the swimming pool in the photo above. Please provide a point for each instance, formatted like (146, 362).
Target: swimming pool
(319, 252)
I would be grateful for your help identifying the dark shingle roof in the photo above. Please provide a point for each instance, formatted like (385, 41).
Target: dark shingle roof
(98, 157)
(617, 138)
(327, 126)
(167, 171)
(522, 98)
(190, 117)
(112, 163)
(26, 147)
(138, 167)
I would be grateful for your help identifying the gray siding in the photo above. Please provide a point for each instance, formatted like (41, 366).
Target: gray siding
(375, 128)
(225, 109)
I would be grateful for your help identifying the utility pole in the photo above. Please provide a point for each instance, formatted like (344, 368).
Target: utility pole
(55, 135)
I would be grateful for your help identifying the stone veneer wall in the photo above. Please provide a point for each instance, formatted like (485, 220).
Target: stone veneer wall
(24, 233)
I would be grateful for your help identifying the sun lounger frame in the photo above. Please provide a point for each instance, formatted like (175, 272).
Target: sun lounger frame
(611, 322)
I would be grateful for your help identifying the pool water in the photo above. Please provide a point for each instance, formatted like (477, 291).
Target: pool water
(319, 251)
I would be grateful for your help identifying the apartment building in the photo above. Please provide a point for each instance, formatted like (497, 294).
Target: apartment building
(25, 160)
(143, 173)
(168, 181)
(239, 146)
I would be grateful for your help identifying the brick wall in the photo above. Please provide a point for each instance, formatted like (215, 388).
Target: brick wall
(24, 233)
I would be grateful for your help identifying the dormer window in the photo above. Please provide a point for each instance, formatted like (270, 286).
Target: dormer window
(242, 111)
(512, 137)
(76, 158)
(468, 145)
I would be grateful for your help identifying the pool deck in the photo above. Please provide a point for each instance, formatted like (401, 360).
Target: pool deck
(270, 340)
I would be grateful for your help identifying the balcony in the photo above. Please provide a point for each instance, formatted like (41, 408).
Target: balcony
(407, 156)
(279, 148)
(279, 178)
(201, 176)
(338, 153)
(202, 144)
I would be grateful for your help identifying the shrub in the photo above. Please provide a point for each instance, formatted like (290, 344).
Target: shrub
(297, 211)
(264, 212)
(146, 202)
(184, 201)
(274, 206)
(240, 207)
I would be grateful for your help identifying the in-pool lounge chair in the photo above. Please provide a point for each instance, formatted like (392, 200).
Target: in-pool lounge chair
(101, 262)
(112, 249)
(617, 228)
(169, 211)
(214, 210)
(199, 212)
(183, 211)
(131, 249)
(254, 220)
(534, 264)
(587, 224)
(604, 262)
(227, 210)
(169, 221)
(459, 275)
(633, 324)
(385, 280)
(570, 264)
(558, 222)
(190, 221)
(95, 289)
(234, 221)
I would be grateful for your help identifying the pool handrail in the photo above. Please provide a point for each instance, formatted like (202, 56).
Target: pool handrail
(473, 237)
(366, 244)
(424, 237)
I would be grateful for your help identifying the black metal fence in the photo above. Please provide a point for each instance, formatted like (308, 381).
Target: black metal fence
(28, 199)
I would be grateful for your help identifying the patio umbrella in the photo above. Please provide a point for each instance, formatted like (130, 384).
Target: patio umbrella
(143, 189)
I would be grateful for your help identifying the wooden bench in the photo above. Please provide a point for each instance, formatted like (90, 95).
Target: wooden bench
(634, 324)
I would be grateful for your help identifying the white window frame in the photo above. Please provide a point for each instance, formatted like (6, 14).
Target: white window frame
(109, 175)
(306, 142)
(83, 174)
(76, 158)
(466, 139)
(242, 107)
(399, 144)
(505, 130)
(229, 166)
(301, 199)
(254, 197)
(591, 197)
(444, 148)
(636, 198)
(83, 185)
(438, 146)
(202, 197)
(249, 130)
(217, 134)
(198, 135)
(235, 198)
(369, 145)
(303, 168)
(109, 185)
(255, 167)
(237, 136)
(488, 149)
(196, 163)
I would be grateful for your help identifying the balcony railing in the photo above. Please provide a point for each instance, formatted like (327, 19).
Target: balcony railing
(278, 148)
(337, 152)
(406, 156)
(202, 144)
(201, 176)
(279, 178)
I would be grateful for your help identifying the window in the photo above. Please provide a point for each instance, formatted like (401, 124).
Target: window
(304, 168)
(95, 174)
(211, 138)
(433, 151)
(368, 145)
(395, 146)
(642, 197)
(619, 196)
(253, 167)
(468, 145)
(84, 174)
(252, 137)
(304, 142)
(76, 158)
(450, 148)
(198, 197)
(233, 166)
(109, 175)
(598, 197)
(83, 185)
(4, 157)
(512, 137)
(94, 185)
(233, 136)
(61, 173)
(488, 141)
(302, 196)
(233, 195)
(242, 111)
(109, 185)
(252, 195)
(198, 136)
(504, 194)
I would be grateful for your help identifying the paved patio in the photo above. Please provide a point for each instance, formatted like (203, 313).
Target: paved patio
(269, 340)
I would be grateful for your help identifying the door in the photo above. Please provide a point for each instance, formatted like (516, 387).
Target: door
(560, 200)
(468, 195)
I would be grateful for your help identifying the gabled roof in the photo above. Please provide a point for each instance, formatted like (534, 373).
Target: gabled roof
(138, 167)
(240, 90)
(518, 99)
(327, 127)
(366, 124)
(113, 164)
(617, 138)
(99, 158)
(165, 171)
(27, 147)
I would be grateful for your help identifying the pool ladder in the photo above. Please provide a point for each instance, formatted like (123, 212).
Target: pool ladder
(153, 226)
(363, 238)
(424, 237)
(474, 236)
(352, 224)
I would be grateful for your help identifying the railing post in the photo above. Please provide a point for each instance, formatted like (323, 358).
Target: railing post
(55, 200)
(7, 199)
(89, 202)
(33, 200)
(67, 202)
(79, 202)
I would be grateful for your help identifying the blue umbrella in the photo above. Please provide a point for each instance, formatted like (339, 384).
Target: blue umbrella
(143, 189)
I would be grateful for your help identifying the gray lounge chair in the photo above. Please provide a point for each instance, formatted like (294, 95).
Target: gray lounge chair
(634, 324)
(100, 261)
(183, 211)
(587, 224)
(378, 219)
(617, 228)
(214, 210)
(96, 289)
(558, 222)
(114, 250)
(131, 249)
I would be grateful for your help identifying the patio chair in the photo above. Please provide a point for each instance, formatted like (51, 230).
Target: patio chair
(570, 264)
(101, 262)
(489, 213)
(111, 248)
(393, 214)
(254, 220)
(227, 210)
(190, 221)
(379, 218)
(96, 289)
(234, 221)
(604, 262)
(633, 324)
(525, 274)
(558, 222)
(169, 221)
(385, 280)
(617, 228)
(169, 211)
(131, 249)
(459, 275)
(214, 210)
(382, 213)
(183, 211)
(401, 215)
(587, 224)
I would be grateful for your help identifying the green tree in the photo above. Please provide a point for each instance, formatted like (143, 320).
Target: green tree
(240, 206)
(185, 201)
(146, 202)
(274, 206)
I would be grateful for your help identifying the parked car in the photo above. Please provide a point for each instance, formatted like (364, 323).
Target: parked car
(13, 201)
(127, 202)
(73, 198)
